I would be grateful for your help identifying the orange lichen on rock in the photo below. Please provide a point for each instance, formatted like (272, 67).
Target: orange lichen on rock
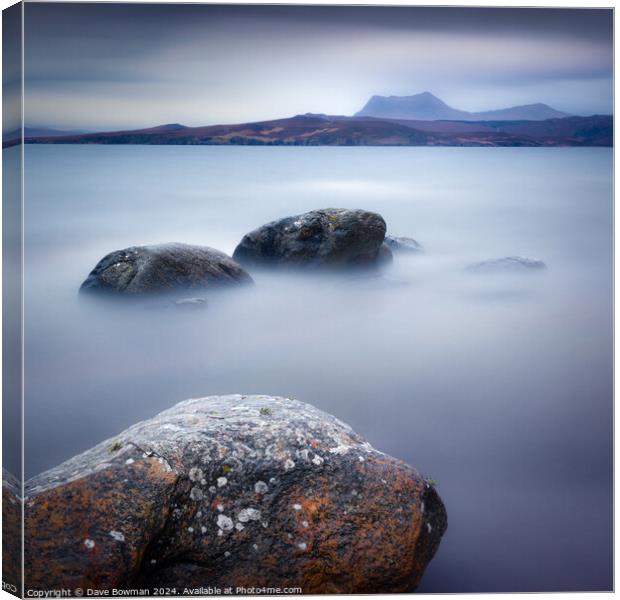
(304, 502)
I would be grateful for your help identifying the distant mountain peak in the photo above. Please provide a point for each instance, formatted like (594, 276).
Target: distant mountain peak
(427, 94)
(425, 106)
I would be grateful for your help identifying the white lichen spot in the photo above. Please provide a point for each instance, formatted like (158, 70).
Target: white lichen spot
(302, 545)
(195, 474)
(153, 561)
(224, 523)
(190, 529)
(255, 546)
(203, 482)
(304, 523)
(226, 554)
(130, 461)
(221, 481)
(117, 535)
(90, 544)
(203, 529)
(422, 508)
(289, 464)
(290, 536)
(198, 515)
(341, 449)
(220, 508)
(296, 506)
(196, 493)
(239, 526)
(428, 527)
(317, 460)
(248, 514)
(260, 487)
(361, 458)
(220, 533)
(212, 489)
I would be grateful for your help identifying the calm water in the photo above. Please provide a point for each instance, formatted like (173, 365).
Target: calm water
(499, 388)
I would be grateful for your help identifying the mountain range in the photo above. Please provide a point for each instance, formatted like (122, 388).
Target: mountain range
(427, 107)
(420, 120)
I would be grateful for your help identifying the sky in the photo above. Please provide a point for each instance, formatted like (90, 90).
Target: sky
(98, 66)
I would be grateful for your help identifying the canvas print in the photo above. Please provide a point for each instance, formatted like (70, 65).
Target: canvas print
(306, 299)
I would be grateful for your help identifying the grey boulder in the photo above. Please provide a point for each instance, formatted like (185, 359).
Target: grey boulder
(163, 268)
(331, 237)
(508, 264)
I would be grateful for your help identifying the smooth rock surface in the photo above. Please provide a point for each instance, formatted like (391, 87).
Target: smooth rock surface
(233, 491)
(332, 237)
(508, 264)
(163, 268)
(402, 244)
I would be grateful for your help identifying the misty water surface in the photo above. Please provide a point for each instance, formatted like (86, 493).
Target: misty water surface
(499, 388)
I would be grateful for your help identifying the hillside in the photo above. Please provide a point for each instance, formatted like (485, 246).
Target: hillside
(324, 130)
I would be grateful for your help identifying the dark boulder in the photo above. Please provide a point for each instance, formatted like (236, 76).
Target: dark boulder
(163, 268)
(403, 244)
(232, 491)
(508, 264)
(332, 237)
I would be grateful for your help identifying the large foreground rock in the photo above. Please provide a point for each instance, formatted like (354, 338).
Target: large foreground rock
(332, 237)
(232, 491)
(163, 268)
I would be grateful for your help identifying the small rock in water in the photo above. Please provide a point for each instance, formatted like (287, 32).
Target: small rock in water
(402, 244)
(508, 264)
(191, 303)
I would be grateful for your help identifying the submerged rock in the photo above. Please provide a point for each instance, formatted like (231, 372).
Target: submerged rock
(163, 268)
(403, 244)
(508, 264)
(233, 491)
(332, 237)
(191, 303)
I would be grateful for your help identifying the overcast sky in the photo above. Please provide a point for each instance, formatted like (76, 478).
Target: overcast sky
(110, 66)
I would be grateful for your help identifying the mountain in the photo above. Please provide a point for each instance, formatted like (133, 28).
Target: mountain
(325, 130)
(427, 107)
(422, 107)
(527, 112)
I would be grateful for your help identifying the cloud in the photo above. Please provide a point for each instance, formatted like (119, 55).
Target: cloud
(200, 66)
